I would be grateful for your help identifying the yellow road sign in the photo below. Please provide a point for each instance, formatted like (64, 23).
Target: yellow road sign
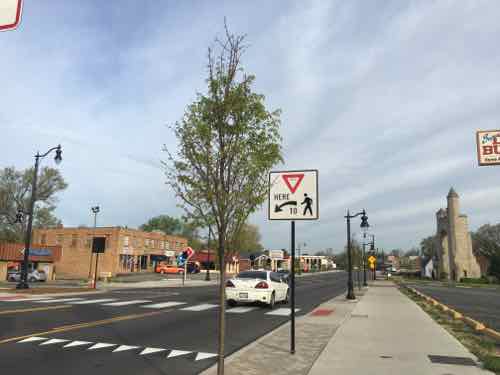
(372, 259)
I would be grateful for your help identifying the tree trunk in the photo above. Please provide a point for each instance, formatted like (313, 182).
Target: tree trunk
(222, 305)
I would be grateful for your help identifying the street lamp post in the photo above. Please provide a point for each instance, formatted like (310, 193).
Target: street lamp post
(95, 210)
(364, 228)
(23, 283)
(364, 222)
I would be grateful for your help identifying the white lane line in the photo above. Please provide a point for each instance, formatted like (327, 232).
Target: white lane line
(122, 348)
(32, 339)
(281, 312)
(241, 310)
(177, 353)
(89, 301)
(126, 303)
(151, 350)
(202, 307)
(34, 299)
(59, 300)
(202, 355)
(53, 341)
(77, 343)
(163, 304)
(101, 345)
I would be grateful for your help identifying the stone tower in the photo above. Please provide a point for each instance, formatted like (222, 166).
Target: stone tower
(454, 243)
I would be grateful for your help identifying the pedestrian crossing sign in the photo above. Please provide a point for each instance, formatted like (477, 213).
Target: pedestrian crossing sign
(293, 195)
(372, 259)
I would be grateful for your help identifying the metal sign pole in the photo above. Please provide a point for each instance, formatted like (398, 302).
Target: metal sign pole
(292, 299)
(184, 273)
(95, 275)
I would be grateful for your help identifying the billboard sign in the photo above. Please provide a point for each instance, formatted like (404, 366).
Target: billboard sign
(276, 254)
(293, 195)
(10, 14)
(488, 147)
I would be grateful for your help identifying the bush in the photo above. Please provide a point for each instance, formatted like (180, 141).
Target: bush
(474, 280)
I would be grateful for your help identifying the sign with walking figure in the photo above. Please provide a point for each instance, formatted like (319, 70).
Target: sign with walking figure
(293, 195)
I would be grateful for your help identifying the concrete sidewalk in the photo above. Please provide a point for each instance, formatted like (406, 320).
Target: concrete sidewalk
(388, 333)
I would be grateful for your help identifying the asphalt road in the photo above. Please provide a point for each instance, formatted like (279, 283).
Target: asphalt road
(109, 339)
(482, 304)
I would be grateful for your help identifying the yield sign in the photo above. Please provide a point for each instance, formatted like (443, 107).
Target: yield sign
(10, 14)
(296, 180)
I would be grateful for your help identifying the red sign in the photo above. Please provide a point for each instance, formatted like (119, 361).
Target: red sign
(10, 14)
(295, 176)
(488, 147)
(190, 252)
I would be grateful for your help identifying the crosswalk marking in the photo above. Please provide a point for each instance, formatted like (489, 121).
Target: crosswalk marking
(177, 353)
(31, 339)
(151, 350)
(241, 310)
(100, 345)
(202, 307)
(126, 303)
(53, 341)
(58, 300)
(89, 301)
(122, 348)
(281, 312)
(202, 355)
(77, 343)
(88, 345)
(163, 305)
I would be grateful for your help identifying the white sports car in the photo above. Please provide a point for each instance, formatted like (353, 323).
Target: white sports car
(257, 286)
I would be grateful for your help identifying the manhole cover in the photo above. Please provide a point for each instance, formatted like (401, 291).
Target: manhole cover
(448, 360)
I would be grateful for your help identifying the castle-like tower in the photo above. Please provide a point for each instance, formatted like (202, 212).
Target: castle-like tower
(453, 242)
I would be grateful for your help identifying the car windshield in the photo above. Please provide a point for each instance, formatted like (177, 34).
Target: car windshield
(252, 275)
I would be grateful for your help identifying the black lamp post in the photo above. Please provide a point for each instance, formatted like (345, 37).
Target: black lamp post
(372, 251)
(364, 222)
(23, 283)
(364, 229)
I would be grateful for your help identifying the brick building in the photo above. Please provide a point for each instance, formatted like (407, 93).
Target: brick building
(127, 250)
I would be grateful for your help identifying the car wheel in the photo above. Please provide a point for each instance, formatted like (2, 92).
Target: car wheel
(272, 302)
(180, 272)
(231, 303)
(31, 279)
(287, 297)
(162, 272)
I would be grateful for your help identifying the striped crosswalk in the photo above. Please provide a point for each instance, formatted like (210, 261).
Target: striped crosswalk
(167, 353)
(148, 304)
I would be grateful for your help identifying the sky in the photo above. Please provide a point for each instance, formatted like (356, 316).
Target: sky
(382, 97)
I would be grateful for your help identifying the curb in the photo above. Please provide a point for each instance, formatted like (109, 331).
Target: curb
(474, 324)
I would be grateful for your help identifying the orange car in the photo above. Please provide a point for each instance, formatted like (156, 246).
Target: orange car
(167, 268)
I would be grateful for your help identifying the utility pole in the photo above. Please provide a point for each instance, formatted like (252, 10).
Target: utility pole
(95, 210)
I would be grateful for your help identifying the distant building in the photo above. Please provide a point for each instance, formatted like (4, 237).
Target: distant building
(127, 250)
(453, 242)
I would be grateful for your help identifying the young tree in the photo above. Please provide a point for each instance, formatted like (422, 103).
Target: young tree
(247, 240)
(428, 246)
(228, 143)
(15, 193)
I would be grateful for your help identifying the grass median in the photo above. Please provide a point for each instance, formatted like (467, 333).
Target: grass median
(483, 347)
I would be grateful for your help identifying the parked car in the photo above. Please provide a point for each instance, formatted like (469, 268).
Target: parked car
(257, 286)
(285, 275)
(168, 268)
(192, 267)
(33, 276)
